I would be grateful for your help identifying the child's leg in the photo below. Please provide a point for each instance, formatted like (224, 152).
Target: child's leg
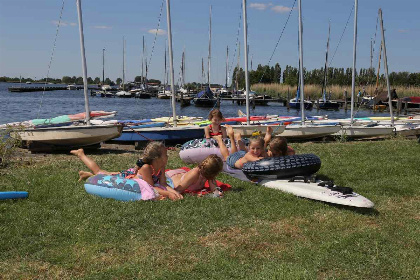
(86, 160)
(83, 175)
(241, 144)
(231, 135)
(223, 149)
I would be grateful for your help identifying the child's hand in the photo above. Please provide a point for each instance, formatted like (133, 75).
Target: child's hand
(176, 194)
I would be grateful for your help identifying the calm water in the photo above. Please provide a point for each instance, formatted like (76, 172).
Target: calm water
(30, 105)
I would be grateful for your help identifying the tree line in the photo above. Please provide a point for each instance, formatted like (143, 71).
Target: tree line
(266, 74)
(335, 76)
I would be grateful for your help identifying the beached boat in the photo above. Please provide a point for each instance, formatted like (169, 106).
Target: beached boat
(70, 136)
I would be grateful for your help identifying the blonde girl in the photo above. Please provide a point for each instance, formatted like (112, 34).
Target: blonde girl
(195, 179)
(151, 169)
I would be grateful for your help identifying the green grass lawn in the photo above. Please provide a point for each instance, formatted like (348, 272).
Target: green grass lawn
(61, 232)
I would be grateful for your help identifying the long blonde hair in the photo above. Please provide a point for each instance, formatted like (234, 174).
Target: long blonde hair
(152, 151)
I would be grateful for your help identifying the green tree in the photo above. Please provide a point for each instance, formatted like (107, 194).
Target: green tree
(97, 80)
(154, 81)
(66, 80)
(118, 81)
(79, 81)
(108, 81)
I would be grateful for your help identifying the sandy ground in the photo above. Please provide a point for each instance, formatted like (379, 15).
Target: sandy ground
(25, 156)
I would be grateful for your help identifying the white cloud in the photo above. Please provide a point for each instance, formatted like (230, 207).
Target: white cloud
(403, 30)
(102, 27)
(281, 9)
(63, 23)
(260, 6)
(159, 31)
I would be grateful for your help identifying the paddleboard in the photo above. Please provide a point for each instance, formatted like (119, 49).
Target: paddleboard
(13, 195)
(311, 190)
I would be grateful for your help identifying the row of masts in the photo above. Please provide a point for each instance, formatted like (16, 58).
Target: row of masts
(244, 9)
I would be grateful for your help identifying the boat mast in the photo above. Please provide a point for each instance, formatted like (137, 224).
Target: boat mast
(237, 67)
(324, 86)
(183, 69)
(246, 59)
(142, 66)
(202, 72)
(123, 80)
(386, 69)
(165, 75)
(227, 65)
(84, 67)
(353, 76)
(209, 58)
(379, 66)
(168, 15)
(103, 66)
(302, 106)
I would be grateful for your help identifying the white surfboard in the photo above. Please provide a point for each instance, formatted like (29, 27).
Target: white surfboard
(307, 190)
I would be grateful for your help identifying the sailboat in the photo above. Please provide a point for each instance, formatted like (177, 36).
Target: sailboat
(142, 91)
(206, 98)
(172, 133)
(355, 130)
(123, 93)
(303, 130)
(165, 92)
(325, 103)
(295, 103)
(71, 136)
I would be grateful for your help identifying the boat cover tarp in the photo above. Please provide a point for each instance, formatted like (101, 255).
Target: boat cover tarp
(207, 93)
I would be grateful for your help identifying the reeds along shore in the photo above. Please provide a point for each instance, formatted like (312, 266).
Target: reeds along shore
(337, 92)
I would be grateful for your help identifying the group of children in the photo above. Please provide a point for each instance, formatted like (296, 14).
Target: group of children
(151, 168)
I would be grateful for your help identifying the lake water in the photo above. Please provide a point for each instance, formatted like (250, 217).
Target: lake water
(30, 105)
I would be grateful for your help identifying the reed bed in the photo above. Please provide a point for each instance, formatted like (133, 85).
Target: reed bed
(337, 92)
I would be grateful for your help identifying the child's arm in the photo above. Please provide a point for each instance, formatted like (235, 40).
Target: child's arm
(249, 157)
(162, 182)
(167, 193)
(213, 187)
(224, 133)
(207, 132)
(146, 174)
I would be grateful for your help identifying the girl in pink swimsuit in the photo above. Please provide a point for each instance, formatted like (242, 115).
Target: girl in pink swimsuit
(195, 179)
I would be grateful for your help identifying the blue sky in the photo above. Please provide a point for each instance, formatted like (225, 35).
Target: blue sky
(28, 30)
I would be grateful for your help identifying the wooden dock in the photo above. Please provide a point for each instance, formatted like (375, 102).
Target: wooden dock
(40, 88)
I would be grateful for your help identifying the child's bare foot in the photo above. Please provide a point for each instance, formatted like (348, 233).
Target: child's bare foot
(83, 175)
(78, 152)
(229, 131)
(267, 137)
(240, 142)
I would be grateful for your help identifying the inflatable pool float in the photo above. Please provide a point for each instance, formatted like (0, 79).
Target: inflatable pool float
(282, 167)
(13, 195)
(195, 151)
(119, 188)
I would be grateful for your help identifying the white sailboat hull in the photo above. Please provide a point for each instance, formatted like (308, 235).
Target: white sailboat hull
(309, 131)
(70, 136)
(364, 132)
(250, 130)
